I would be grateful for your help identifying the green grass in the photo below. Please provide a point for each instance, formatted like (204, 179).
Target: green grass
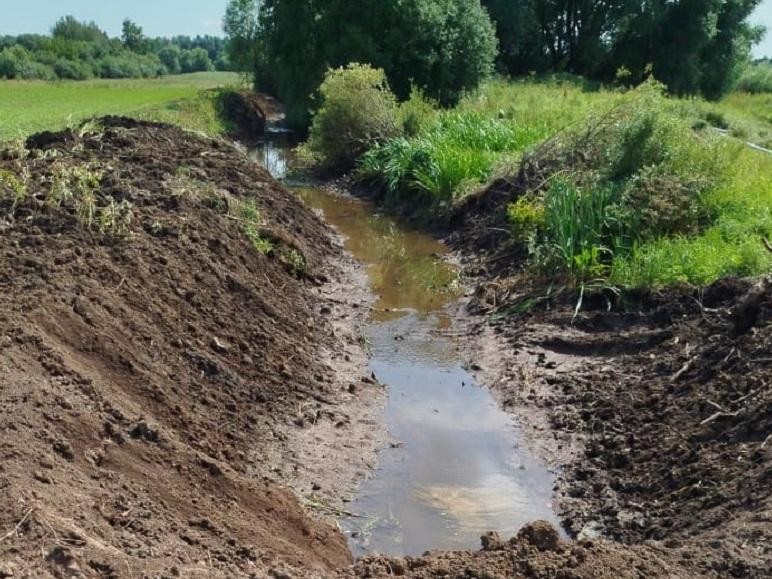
(633, 190)
(732, 245)
(484, 135)
(31, 106)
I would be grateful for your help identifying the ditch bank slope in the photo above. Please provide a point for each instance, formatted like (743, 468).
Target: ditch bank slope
(157, 371)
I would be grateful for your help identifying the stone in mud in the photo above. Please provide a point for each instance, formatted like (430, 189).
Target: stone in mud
(541, 535)
(144, 431)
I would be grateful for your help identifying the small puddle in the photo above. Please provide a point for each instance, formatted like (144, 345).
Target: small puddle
(456, 469)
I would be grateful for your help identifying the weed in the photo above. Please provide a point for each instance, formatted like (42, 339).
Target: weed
(295, 261)
(115, 219)
(13, 187)
(249, 215)
(526, 216)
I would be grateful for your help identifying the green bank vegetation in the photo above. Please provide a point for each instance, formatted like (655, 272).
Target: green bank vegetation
(610, 188)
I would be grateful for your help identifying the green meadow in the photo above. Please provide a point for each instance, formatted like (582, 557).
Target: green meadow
(30, 106)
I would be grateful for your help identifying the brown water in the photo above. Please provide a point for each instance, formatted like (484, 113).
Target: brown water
(457, 470)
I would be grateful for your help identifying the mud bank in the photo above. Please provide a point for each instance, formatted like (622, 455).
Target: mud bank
(659, 415)
(173, 401)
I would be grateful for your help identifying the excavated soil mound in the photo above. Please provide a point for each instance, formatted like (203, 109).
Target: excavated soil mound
(151, 357)
(670, 410)
(535, 553)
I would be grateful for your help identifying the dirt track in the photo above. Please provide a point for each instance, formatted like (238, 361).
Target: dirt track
(163, 391)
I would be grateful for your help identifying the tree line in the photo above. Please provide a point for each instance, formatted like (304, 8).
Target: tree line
(445, 47)
(81, 50)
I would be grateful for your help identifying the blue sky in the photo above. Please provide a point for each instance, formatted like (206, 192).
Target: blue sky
(169, 17)
(157, 17)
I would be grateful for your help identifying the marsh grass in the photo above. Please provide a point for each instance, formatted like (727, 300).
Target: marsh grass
(632, 188)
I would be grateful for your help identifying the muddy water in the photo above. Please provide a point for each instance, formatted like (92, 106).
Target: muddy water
(455, 469)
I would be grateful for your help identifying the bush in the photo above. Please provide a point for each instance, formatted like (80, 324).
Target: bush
(72, 70)
(630, 176)
(195, 60)
(416, 113)
(357, 111)
(757, 78)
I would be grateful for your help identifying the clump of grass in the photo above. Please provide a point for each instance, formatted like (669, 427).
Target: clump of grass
(14, 188)
(295, 261)
(628, 177)
(454, 154)
(115, 219)
(249, 215)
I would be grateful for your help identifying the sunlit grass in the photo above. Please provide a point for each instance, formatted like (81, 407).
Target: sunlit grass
(731, 246)
(31, 106)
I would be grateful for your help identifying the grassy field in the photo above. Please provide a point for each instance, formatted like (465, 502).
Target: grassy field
(30, 106)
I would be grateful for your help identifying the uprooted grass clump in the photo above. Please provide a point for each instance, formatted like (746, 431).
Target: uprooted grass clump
(70, 193)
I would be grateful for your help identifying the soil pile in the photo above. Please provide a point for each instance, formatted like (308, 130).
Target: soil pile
(153, 363)
(668, 412)
(536, 552)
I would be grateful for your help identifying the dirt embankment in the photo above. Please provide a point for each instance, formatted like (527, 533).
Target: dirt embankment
(661, 417)
(163, 383)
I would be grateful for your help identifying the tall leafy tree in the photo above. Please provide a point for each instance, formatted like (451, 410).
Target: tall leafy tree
(691, 45)
(441, 46)
(132, 36)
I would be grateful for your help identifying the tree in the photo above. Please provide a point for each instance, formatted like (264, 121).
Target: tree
(132, 36)
(442, 46)
(170, 58)
(244, 47)
(195, 60)
(68, 28)
(690, 45)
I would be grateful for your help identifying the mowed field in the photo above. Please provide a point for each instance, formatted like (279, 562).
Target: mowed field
(31, 106)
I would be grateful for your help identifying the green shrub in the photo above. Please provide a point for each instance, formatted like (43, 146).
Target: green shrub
(72, 70)
(526, 217)
(416, 113)
(357, 111)
(757, 78)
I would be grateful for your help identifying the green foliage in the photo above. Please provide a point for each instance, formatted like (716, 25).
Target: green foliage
(443, 47)
(132, 36)
(357, 111)
(756, 79)
(416, 113)
(526, 217)
(80, 51)
(295, 261)
(451, 155)
(249, 215)
(693, 47)
(188, 101)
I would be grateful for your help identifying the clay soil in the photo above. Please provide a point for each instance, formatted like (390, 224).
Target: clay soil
(173, 403)
(176, 403)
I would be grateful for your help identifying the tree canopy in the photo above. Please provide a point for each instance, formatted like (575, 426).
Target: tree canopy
(81, 50)
(693, 46)
(441, 46)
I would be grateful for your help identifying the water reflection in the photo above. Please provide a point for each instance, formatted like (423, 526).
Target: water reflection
(457, 470)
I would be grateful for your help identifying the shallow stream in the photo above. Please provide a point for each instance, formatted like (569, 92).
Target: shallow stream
(455, 469)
